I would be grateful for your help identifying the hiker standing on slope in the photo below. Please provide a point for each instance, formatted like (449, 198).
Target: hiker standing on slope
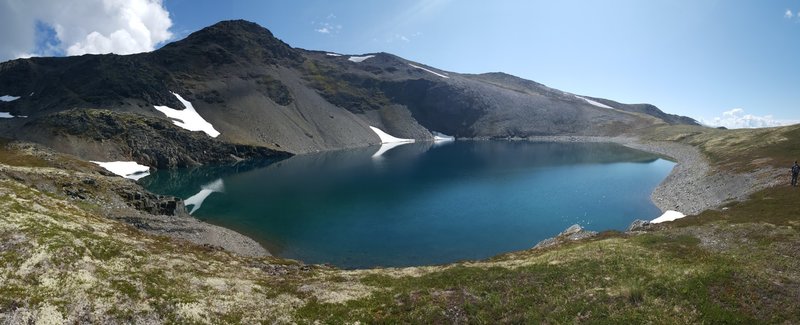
(795, 171)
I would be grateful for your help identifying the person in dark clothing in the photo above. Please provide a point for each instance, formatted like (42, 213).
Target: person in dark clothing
(795, 171)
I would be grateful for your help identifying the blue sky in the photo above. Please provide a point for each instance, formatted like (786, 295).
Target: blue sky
(689, 57)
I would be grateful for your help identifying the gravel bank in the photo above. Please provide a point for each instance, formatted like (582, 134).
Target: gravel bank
(692, 186)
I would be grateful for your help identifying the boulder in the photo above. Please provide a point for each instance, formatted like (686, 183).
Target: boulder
(574, 232)
(638, 225)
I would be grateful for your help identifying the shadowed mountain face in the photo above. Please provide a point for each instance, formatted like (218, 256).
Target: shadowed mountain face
(260, 92)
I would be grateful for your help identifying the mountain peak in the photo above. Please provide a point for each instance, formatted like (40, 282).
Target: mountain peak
(239, 27)
(241, 38)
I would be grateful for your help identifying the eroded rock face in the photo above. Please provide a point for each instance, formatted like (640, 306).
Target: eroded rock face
(152, 203)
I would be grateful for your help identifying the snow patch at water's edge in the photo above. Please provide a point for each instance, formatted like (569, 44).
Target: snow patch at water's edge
(670, 215)
(128, 169)
(8, 98)
(386, 138)
(388, 142)
(440, 137)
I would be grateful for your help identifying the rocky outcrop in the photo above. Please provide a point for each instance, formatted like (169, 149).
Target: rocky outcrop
(107, 135)
(638, 225)
(573, 233)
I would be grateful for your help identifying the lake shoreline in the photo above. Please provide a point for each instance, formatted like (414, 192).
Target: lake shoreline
(693, 186)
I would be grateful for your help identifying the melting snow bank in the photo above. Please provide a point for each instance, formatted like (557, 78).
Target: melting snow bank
(197, 200)
(388, 142)
(670, 215)
(188, 118)
(386, 138)
(594, 102)
(439, 137)
(358, 59)
(8, 98)
(333, 54)
(436, 73)
(9, 115)
(127, 169)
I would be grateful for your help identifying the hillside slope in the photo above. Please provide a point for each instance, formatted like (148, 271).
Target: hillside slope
(258, 91)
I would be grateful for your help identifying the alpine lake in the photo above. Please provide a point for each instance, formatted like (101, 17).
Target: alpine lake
(421, 203)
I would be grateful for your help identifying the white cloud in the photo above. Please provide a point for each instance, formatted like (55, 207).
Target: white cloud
(737, 119)
(789, 13)
(83, 26)
(327, 26)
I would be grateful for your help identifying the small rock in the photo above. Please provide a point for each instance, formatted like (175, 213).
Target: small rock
(574, 232)
(571, 230)
(638, 225)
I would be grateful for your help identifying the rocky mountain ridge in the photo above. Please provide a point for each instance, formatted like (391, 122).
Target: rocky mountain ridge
(259, 92)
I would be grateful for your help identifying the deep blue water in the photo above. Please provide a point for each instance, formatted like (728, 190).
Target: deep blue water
(421, 204)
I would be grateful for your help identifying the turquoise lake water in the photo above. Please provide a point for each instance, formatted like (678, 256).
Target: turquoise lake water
(421, 204)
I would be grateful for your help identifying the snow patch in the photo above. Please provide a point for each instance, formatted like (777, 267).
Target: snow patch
(440, 137)
(359, 59)
(188, 118)
(670, 215)
(601, 105)
(128, 169)
(334, 54)
(436, 73)
(386, 138)
(8, 115)
(388, 142)
(8, 98)
(197, 200)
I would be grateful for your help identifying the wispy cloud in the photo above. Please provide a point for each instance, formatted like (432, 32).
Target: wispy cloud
(788, 14)
(328, 26)
(414, 14)
(398, 37)
(737, 119)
